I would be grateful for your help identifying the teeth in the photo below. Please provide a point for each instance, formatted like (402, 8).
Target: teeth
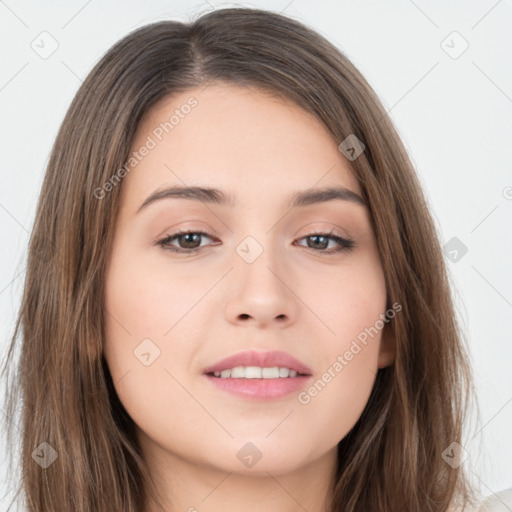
(255, 372)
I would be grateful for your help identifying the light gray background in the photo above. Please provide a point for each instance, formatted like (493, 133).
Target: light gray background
(454, 115)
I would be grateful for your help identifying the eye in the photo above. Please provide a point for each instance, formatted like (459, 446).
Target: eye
(190, 242)
(321, 241)
(190, 239)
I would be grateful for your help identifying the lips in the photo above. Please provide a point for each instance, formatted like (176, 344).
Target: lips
(263, 359)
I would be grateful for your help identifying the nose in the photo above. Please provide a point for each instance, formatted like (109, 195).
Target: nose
(261, 293)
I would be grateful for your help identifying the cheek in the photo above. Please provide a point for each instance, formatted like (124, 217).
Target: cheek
(335, 400)
(348, 356)
(148, 325)
(149, 300)
(148, 345)
(347, 299)
(350, 305)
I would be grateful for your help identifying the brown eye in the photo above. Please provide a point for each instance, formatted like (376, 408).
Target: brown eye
(188, 241)
(320, 241)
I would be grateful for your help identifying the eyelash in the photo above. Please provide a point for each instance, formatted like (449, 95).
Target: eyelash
(345, 243)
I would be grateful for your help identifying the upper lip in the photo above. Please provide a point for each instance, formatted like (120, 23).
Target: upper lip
(264, 359)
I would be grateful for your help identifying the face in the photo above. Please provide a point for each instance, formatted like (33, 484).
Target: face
(254, 274)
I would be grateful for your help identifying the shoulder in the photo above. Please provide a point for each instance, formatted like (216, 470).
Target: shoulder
(498, 502)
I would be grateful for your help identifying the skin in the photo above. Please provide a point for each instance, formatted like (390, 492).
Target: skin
(200, 308)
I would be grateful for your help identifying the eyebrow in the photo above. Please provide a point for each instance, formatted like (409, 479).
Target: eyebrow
(217, 196)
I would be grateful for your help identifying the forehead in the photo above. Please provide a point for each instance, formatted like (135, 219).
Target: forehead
(240, 139)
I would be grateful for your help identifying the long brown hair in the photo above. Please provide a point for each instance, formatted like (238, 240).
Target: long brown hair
(392, 458)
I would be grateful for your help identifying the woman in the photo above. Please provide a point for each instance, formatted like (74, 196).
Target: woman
(307, 356)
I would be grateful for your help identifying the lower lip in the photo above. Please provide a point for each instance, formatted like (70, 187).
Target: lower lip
(264, 389)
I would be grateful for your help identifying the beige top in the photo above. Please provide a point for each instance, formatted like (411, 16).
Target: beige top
(498, 502)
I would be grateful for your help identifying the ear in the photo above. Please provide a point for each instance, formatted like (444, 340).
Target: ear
(387, 350)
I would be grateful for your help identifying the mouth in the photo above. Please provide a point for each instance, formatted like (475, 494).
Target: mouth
(255, 364)
(257, 372)
(259, 375)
